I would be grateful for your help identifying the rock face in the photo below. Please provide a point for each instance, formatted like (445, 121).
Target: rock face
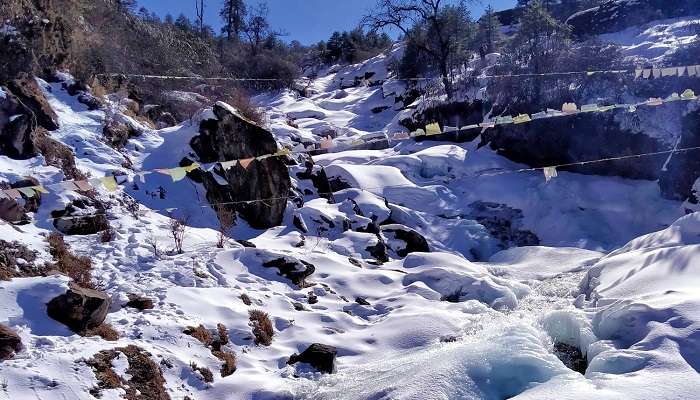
(17, 135)
(79, 308)
(320, 356)
(617, 15)
(228, 137)
(683, 169)
(413, 242)
(588, 136)
(28, 91)
(10, 343)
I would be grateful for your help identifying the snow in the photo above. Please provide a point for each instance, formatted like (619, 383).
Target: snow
(655, 40)
(470, 319)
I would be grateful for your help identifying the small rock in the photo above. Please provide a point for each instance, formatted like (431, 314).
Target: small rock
(320, 356)
(140, 302)
(313, 299)
(362, 301)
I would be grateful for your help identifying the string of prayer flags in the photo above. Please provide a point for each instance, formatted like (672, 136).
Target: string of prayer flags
(283, 152)
(487, 124)
(638, 73)
(13, 194)
(432, 129)
(539, 115)
(673, 97)
(550, 173)
(450, 129)
(692, 70)
(245, 163)
(109, 183)
(178, 174)
(227, 165)
(646, 74)
(654, 101)
(681, 71)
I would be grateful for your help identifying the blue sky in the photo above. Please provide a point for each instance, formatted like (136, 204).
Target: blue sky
(307, 21)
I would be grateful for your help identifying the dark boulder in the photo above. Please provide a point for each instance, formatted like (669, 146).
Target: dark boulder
(17, 133)
(571, 356)
(320, 356)
(379, 251)
(231, 136)
(293, 269)
(139, 302)
(10, 343)
(413, 242)
(79, 308)
(81, 217)
(617, 15)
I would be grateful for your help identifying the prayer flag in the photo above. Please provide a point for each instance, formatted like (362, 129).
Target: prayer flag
(245, 163)
(550, 173)
(432, 129)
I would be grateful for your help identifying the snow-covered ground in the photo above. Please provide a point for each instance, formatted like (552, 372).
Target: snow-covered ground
(632, 312)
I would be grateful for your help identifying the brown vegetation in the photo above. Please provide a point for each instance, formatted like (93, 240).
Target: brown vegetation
(105, 331)
(146, 381)
(16, 260)
(262, 327)
(78, 268)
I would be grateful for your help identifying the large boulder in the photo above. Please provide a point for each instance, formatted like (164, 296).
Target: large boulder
(320, 356)
(26, 89)
(617, 15)
(230, 136)
(404, 240)
(79, 308)
(10, 343)
(293, 269)
(17, 135)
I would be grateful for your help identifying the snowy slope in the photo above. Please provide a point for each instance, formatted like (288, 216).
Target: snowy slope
(436, 325)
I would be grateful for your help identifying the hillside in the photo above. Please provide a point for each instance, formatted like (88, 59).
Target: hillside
(157, 242)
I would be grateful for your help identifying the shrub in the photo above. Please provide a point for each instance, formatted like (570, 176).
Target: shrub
(200, 333)
(78, 268)
(105, 331)
(229, 365)
(10, 253)
(205, 372)
(262, 327)
(246, 299)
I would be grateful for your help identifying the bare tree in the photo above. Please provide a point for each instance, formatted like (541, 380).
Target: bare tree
(428, 24)
(178, 229)
(199, 8)
(152, 242)
(257, 28)
(227, 219)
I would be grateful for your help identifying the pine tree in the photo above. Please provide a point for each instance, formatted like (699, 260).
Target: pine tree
(233, 14)
(489, 31)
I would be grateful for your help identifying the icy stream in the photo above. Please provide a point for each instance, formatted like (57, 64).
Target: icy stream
(499, 355)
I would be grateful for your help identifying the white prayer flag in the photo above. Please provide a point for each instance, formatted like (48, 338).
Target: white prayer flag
(550, 173)
(646, 74)
(637, 73)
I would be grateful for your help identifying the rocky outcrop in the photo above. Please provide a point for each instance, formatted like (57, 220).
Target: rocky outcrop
(683, 169)
(320, 356)
(590, 136)
(79, 308)
(81, 217)
(617, 15)
(503, 223)
(230, 136)
(27, 90)
(409, 241)
(17, 131)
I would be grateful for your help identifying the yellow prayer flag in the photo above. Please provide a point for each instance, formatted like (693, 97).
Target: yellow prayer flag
(109, 183)
(432, 129)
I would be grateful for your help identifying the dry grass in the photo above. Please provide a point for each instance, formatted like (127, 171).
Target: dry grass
(200, 333)
(241, 101)
(147, 380)
(205, 372)
(105, 331)
(246, 299)
(263, 330)
(76, 267)
(229, 365)
(10, 253)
